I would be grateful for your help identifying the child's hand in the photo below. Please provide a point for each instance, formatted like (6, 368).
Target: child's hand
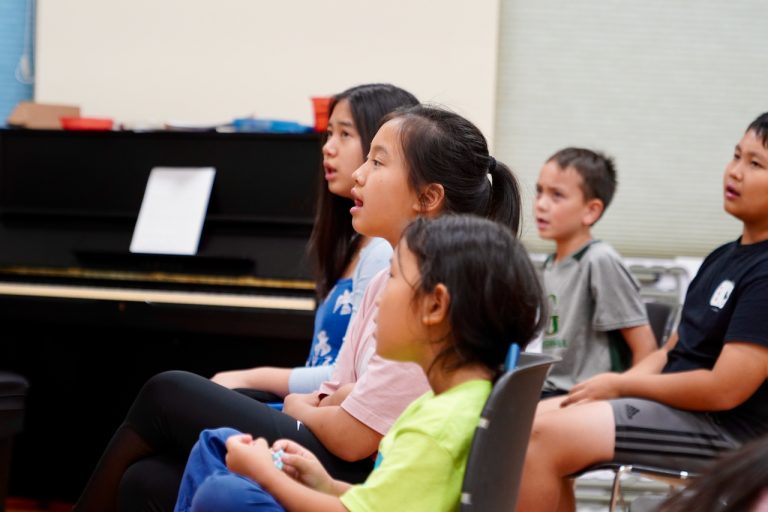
(250, 458)
(295, 403)
(600, 387)
(302, 465)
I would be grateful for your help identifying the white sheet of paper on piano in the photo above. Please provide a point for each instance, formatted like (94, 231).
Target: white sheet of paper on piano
(173, 210)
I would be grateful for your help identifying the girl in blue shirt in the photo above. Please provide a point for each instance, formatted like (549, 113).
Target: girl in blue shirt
(344, 261)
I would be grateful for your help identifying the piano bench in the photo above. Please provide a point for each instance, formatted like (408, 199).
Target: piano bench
(13, 391)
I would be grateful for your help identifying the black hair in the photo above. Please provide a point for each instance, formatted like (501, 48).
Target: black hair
(442, 147)
(333, 242)
(495, 295)
(732, 484)
(760, 127)
(597, 171)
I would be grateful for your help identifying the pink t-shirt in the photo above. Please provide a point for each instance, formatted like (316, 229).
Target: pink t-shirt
(383, 388)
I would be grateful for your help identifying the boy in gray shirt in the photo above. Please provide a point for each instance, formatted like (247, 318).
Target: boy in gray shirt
(592, 294)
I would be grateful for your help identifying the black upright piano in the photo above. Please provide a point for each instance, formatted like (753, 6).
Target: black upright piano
(87, 321)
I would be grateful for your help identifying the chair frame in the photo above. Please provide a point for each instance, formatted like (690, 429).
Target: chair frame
(668, 476)
(495, 463)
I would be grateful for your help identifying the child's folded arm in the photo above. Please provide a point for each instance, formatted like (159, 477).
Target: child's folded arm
(345, 436)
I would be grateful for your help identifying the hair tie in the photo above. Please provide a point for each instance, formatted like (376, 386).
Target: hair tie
(491, 168)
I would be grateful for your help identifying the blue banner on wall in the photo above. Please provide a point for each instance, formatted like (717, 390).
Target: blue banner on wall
(16, 54)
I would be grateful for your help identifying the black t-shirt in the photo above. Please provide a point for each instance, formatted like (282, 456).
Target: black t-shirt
(727, 301)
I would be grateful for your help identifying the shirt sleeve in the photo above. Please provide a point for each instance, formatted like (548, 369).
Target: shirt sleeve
(412, 476)
(383, 392)
(306, 379)
(616, 294)
(749, 321)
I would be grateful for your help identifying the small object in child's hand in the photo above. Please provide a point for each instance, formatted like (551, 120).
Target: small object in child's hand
(277, 458)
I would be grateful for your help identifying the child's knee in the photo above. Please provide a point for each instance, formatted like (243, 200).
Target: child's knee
(544, 432)
(549, 443)
(229, 491)
(162, 388)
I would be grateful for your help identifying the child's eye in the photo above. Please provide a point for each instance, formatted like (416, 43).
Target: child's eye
(376, 163)
(329, 134)
(345, 135)
(755, 163)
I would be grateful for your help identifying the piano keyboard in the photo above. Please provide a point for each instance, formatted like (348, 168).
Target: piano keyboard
(157, 296)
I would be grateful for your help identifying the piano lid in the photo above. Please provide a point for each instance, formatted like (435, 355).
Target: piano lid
(70, 199)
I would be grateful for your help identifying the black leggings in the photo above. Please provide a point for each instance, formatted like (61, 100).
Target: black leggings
(144, 461)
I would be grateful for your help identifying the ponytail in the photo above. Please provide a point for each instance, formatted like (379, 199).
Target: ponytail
(505, 204)
(442, 147)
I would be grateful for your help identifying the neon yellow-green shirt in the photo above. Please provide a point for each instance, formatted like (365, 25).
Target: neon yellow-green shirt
(424, 454)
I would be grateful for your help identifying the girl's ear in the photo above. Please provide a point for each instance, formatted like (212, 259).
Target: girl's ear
(431, 200)
(436, 306)
(593, 211)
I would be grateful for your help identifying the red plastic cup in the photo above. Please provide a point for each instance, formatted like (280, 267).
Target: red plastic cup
(86, 123)
(321, 106)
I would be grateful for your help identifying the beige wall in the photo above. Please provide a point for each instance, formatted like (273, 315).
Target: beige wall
(213, 60)
(667, 88)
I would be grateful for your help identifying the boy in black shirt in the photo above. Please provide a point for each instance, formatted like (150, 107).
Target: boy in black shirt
(704, 392)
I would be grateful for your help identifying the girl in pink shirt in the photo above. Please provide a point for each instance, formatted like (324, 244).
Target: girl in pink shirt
(423, 161)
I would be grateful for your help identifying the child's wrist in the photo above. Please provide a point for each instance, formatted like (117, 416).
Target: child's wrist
(622, 383)
(338, 487)
(271, 479)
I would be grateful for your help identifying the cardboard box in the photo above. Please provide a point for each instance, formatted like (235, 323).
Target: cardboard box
(43, 116)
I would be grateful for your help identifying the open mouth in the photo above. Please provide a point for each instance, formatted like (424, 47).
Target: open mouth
(731, 193)
(330, 172)
(358, 202)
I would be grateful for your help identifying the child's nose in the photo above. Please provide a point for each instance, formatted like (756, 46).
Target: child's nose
(735, 171)
(329, 148)
(359, 175)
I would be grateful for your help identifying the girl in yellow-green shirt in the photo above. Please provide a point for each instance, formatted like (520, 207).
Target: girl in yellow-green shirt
(460, 290)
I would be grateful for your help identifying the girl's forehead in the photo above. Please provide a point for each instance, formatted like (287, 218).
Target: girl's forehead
(390, 130)
(342, 110)
(387, 139)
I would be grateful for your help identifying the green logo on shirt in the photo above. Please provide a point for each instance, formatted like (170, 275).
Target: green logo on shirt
(554, 318)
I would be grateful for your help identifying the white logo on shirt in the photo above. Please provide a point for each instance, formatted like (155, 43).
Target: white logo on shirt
(344, 301)
(722, 294)
(321, 350)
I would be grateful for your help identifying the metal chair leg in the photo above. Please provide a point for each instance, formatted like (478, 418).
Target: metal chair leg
(616, 494)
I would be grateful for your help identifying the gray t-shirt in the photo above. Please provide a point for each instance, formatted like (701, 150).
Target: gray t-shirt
(590, 293)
